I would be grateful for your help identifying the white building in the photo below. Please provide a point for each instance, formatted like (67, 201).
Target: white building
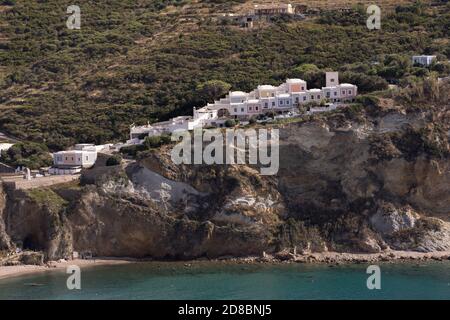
(423, 60)
(72, 161)
(287, 96)
(242, 105)
(332, 79)
(272, 9)
(202, 117)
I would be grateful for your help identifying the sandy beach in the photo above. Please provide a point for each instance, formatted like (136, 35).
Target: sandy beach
(14, 271)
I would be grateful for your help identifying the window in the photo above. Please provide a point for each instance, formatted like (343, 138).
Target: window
(256, 108)
(349, 91)
(343, 91)
(304, 98)
(87, 158)
(335, 93)
(328, 94)
(266, 104)
(312, 97)
(296, 99)
(303, 88)
(235, 109)
(249, 108)
(318, 97)
(281, 102)
(242, 109)
(273, 104)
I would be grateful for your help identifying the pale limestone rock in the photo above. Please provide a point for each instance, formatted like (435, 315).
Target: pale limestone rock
(389, 219)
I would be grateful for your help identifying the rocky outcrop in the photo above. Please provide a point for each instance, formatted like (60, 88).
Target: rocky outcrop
(32, 258)
(345, 186)
(5, 242)
(145, 214)
(404, 229)
(36, 220)
(388, 219)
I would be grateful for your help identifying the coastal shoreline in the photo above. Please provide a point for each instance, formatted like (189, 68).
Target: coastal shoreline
(7, 272)
(331, 258)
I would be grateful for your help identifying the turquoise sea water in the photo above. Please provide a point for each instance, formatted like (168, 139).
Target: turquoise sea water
(430, 280)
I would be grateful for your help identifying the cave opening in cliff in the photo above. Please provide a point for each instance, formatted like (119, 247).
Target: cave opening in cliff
(31, 243)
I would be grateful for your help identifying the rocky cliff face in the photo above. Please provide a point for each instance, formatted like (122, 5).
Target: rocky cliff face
(343, 185)
(340, 178)
(36, 220)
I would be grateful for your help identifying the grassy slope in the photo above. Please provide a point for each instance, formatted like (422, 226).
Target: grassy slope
(139, 60)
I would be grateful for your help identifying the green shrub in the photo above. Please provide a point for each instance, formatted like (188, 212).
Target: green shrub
(132, 150)
(354, 111)
(295, 233)
(382, 148)
(27, 154)
(113, 160)
(230, 123)
(414, 142)
(157, 141)
(212, 90)
(8, 2)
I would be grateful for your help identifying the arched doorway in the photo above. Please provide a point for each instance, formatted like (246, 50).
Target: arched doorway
(223, 113)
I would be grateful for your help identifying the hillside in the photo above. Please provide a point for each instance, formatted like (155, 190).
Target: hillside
(134, 61)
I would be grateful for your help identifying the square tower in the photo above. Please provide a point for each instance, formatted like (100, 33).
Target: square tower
(332, 79)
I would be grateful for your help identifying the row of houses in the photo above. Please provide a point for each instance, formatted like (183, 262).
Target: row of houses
(243, 106)
(289, 95)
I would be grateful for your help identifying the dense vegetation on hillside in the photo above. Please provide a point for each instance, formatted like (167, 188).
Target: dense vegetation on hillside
(134, 61)
(27, 154)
